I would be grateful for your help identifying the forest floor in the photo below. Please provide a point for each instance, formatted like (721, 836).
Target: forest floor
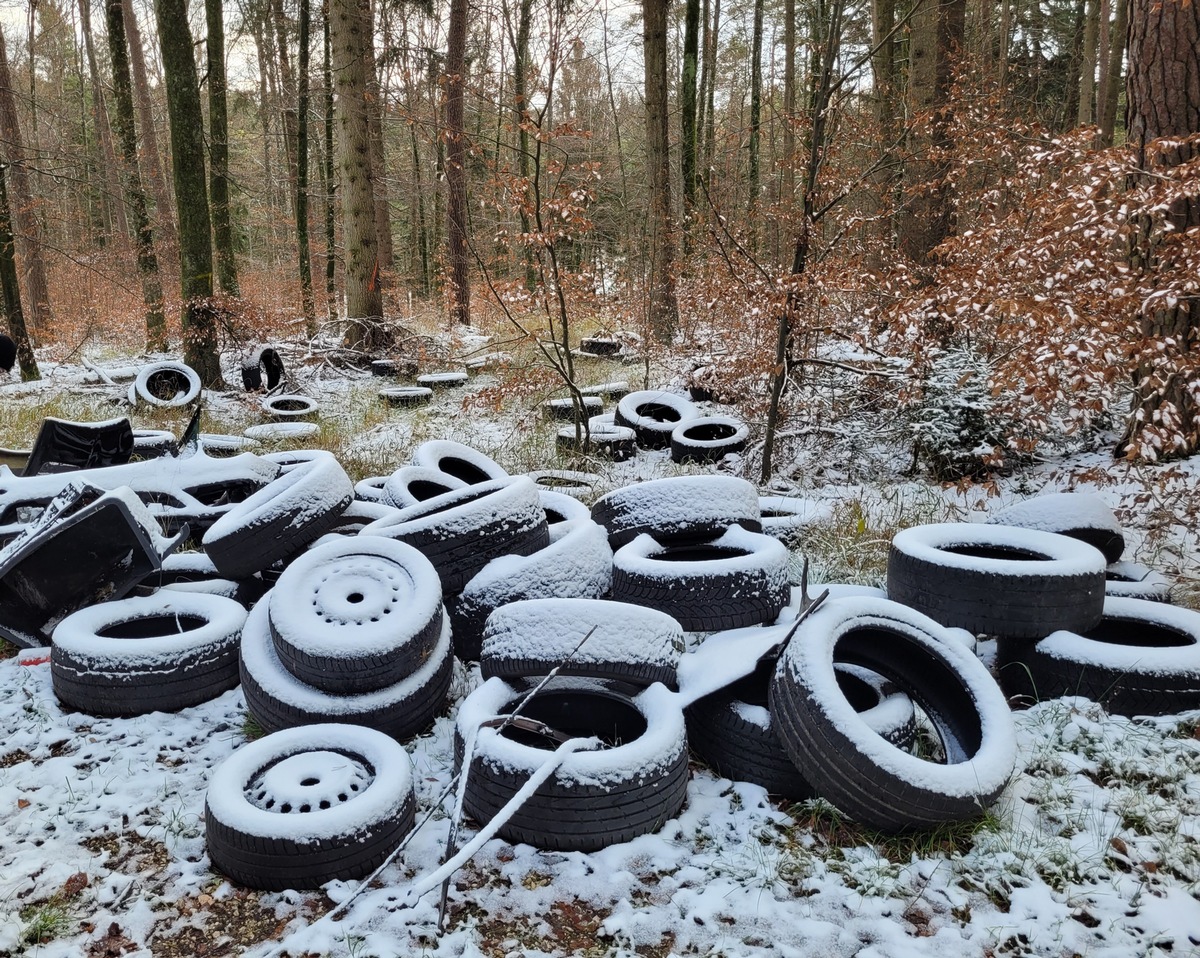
(1092, 850)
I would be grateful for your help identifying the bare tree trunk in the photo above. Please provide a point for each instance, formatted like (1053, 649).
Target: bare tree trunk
(1087, 66)
(755, 112)
(135, 195)
(152, 165)
(456, 171)
(788, 190)
(218, 150)
(521, 118)
(261, 49)
(1111, 90)
(383, 215)
(112, 181)
(664, 309)
(287, 93)
(302, 247)
(330, 183)
(11, 288)
(349, 30)
(710, 119)
(37, 290)
(687, 105)
(191, 195)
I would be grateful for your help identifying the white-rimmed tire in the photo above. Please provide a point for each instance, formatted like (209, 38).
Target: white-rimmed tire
(166, 384)
(281, 431)
(999, 580)
(157, 653)
(593, 638)
(735, 580)
(303, 807)
(1081, 515)
(653, 415)
(280, 519)
(851, 764)
(449, 380)
(708, 439)
(595, 798)
(1133, 580)
(565, 409)
(1142, 659)
(459, 460)
(603, 439)
(356, 614)
(562, 508)
(577, 563)
(678, 509)
(371, 489)
(290, 406)
(568, 482)
(406, 397)
(410, 485)
(279, 700)
(462, 531)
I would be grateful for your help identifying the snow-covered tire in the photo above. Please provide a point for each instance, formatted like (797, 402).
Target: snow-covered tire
(195, 572)
(577, 563)
(737, 579)
(278, 700)
(291, 406)
(613, 390)
(303, 807)
(708, 439)
(565, 409)
(679, 509)
(280, 519)
(653, 415)
(594, 798)
(158, 653)
(167, 385)
(562, 508)
(154, 443)
(462, 531)
(999, 580)
(1132, 580)
(784, 516)
(406, 397)
(358, 515)
(265, 360)
(356, 614)
(450, 380)
(629, 643)
(371, 489)
(849, 763)
(281, 431)
(605, 440)
(568, 482)
(733, 732)
(599, 346)
(459, 460)
(1142, 659)
(1081, 515)
(410, 485)
(220, 446)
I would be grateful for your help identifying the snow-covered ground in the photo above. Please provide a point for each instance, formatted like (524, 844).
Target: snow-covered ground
(1092, 850)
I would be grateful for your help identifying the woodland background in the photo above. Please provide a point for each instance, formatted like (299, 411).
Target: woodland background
(983, 214)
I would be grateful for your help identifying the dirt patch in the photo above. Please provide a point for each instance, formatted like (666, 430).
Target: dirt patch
(210, 927)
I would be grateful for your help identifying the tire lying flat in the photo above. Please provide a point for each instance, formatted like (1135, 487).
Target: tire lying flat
(999, 580)
(303, 807)
(1080, 515)
(854, 767)
(157, 653)
(679, 509)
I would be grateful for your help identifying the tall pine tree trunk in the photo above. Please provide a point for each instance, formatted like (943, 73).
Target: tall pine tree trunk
(112, 180)
(664, 309)
(687, 104)
(218, 150)
(135, 195)
(349, 30)
(456, 170)
(755, 113)
(302, 247)
(191, 192)
(383, 213)
(328, 172)
(29, 232)
(11, 288)
(521, 119)
(1110, 91)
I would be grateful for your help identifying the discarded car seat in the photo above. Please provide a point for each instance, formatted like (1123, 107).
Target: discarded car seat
(62, 445)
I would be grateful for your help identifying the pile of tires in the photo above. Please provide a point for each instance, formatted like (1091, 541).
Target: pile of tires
(354, 631)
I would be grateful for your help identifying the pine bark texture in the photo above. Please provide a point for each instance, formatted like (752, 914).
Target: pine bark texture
(191, 191)
(456, 170)
(664, 309)
(349, 32)
(218, 150)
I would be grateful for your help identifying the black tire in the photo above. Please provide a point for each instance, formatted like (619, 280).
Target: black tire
(410, 485)
(566, 410)
(595, 798)
(998, 580)
(599, 346)
(1142, 659)
(576, 564)
(733, 733)
(280, 519)
(260, 825)
(158, 653)
(358, 515)
(735, 580)
(450, 380)
(1080, 515)
(459, 460)
(629, 643)
(406, 397)
(290, 431)
(708, 439)
(462, 531)
(1132, 580)
(370, 489)
(851, 765)
(290, 406)
(613, 390)
(653, 415)
(279, 700)
(615, 443)
(168, 385)
(153, 444)
(266, 360)
(562, 508)
(568, 482)
(678, 510)
(784, 517)
(356, 614)
(195, 572)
